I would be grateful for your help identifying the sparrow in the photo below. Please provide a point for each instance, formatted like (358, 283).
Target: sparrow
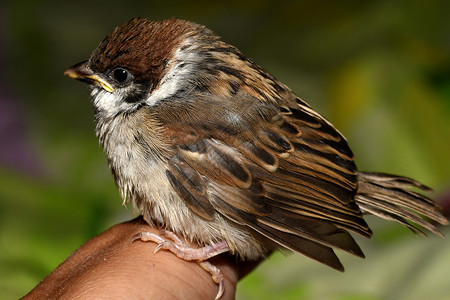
(223, 157)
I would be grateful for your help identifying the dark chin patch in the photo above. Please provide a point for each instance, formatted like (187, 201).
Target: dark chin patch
(139, 93)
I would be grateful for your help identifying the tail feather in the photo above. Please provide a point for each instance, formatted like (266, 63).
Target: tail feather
(389, 197)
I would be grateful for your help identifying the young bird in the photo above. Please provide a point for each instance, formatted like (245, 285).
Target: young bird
(215, 151)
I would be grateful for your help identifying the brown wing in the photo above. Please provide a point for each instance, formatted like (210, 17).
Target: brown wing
(284, 172)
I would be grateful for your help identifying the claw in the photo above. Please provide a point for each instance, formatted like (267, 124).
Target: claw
(163, 245)
(221, 290)
(137, 236)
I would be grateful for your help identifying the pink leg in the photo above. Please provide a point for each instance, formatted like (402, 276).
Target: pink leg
(180, 249)
(171, 235)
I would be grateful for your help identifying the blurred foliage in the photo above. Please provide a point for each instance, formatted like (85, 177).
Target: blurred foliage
(379, 70)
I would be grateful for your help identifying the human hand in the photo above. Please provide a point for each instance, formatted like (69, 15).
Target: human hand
(111, 266)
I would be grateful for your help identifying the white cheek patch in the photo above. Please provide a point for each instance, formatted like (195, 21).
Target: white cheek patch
(167, 87)
(180, 70)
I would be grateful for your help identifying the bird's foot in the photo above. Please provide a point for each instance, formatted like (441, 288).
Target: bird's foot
(175, 245)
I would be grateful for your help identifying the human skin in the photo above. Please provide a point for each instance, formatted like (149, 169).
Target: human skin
(111, 266)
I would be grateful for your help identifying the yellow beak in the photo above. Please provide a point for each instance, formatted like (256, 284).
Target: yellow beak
(83, 72)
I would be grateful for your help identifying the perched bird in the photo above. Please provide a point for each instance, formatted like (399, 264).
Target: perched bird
(214, 150)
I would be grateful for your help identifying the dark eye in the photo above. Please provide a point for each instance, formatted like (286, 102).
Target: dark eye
(121, 75)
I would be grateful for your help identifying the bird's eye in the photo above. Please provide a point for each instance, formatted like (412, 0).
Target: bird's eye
(121, 75)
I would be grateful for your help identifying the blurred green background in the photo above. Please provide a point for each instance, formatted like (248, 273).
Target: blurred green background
(378, 70)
